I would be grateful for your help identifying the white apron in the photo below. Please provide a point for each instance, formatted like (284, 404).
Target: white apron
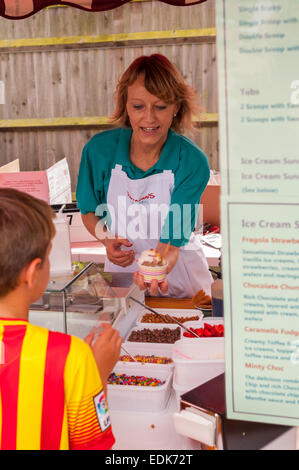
(134, 215)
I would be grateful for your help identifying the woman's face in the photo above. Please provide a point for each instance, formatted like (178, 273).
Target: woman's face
(149, 116)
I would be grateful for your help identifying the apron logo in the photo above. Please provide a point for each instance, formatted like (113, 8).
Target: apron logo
(147, 220)
(148, 196)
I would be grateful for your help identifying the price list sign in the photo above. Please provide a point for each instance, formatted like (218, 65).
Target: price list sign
(258, 69)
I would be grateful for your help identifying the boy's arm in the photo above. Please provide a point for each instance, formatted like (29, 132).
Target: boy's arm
(88, 417)
(106, 351)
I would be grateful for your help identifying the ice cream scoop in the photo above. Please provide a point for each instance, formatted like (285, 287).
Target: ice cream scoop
(151, 257)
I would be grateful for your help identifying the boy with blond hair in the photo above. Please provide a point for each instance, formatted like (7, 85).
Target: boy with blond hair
(52, 385)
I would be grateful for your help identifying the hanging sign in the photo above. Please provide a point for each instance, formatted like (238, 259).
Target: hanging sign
(19, 9)
(258, 50)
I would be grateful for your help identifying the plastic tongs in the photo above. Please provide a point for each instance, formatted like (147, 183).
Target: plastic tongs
(161, 316)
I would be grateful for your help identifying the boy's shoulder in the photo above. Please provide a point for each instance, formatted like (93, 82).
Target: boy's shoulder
(58, 341)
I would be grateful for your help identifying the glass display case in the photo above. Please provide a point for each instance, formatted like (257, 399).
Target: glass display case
(79, 302)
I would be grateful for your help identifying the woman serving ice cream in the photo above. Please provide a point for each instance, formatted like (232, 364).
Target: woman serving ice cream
(140, 184)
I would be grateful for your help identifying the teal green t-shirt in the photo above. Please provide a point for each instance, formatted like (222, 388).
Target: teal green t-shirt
(186, 160)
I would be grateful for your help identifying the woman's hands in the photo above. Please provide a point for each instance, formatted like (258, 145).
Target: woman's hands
(171, 258)
(123, 258)
(115, 254)
(154, 286)
(113, 245)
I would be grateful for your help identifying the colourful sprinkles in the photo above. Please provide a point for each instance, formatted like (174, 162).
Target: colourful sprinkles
(135, 380)
(148, 359)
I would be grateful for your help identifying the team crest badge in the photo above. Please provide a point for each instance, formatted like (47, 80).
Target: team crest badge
(102, 410)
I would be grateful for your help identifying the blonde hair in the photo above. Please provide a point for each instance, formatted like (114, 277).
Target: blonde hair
(161, 79)
(26, 230)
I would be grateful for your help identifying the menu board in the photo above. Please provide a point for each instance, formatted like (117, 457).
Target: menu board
(258, 69)
(52, 185)
(59, 181)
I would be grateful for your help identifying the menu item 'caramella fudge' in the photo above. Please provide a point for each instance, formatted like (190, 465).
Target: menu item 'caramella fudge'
(152, 265)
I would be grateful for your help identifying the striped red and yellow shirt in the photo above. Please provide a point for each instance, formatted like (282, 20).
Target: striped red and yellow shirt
(51, 394)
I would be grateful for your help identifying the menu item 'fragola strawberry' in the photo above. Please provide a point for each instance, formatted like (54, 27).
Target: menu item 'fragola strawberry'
(152, 265)
(208, 331)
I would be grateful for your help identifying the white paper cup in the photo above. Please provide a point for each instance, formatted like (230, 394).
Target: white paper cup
(151, 273)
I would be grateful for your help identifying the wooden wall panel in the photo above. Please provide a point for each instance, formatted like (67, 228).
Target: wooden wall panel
(77, 81)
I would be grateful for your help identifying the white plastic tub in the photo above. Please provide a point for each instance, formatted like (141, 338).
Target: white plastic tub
(200, 324)
(140, 398)
(147, 349)
(174, 312)
(167, 347)
(179, 391)
(197, 360)
(213, 320)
